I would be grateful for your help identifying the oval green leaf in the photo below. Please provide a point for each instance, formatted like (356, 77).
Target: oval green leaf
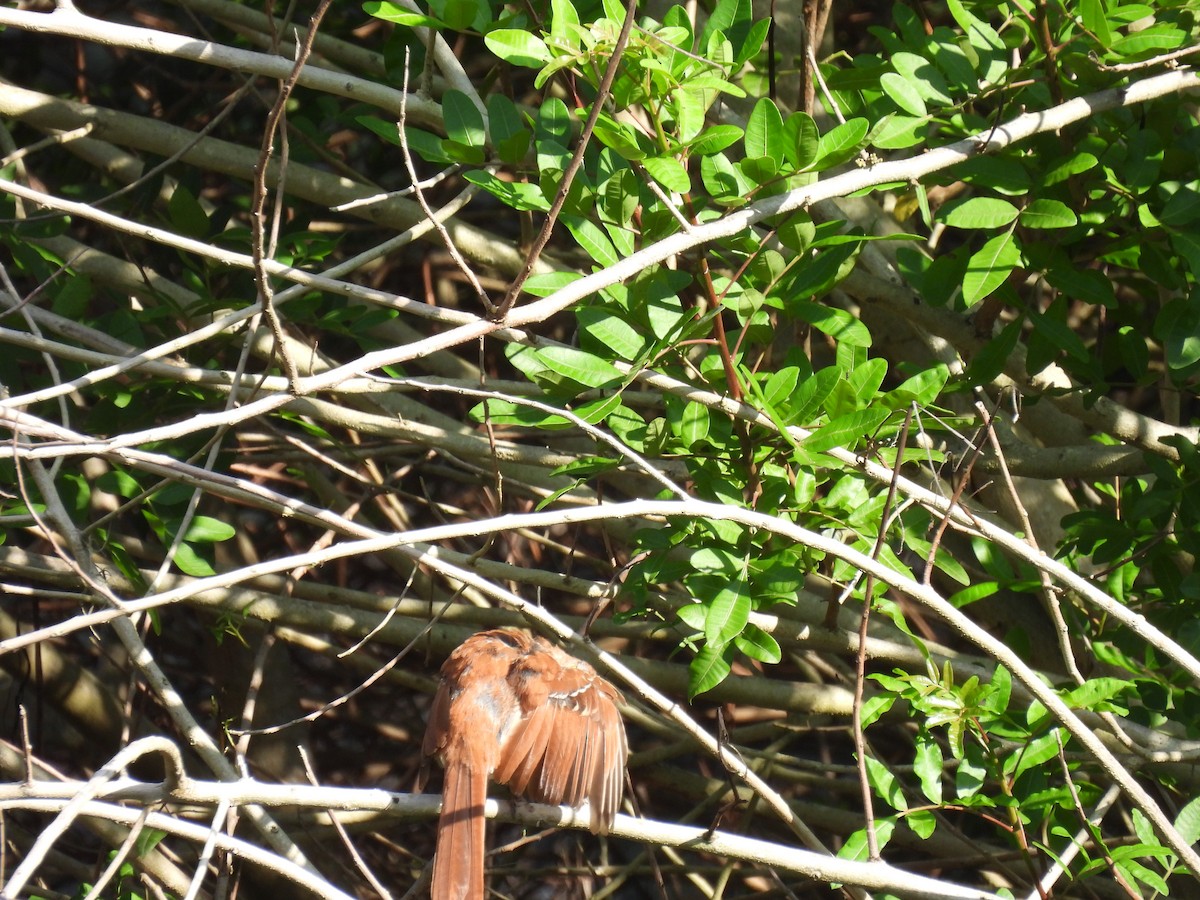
(845, 431)
(764, 131)
(668, 172)
(518, 47)
(979, 212)
(714, 140)
(903, 94)
(584, 368)
(1048, 214)
(989, 267)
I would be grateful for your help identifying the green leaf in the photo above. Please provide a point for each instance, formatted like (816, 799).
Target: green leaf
(546, 283)
(874, 707)
(812, 393)
(518, 195)
(929, 766)
(922, 822)
(619, 136)
(989, 362)
(147, 840)
(1053, 328)
(688, 420)
(728, 613)
(1083, 284)
(666, 317)
(1155, 39)
(886, 785)
(186, 214)
(596, 411)
(464, 126)
(592, 239)
(724, 180)
(797, 232)
(1188, 821)
(510, 137)
(780, 387)
(603, 329)
(1033, 755)
(903, 93)
(758, 644)
(1187, 245)
(840, 143)
(803, 140)
(563, 19)
(189, 562)
(1094, 20)
(751, 45)
(690, 106)
(764, 132)
(759, 169)
(410, 19)
(692, 615)
(989, 267)
(425, 145)
(1132, 870)
(623, 238)
(581, 367)
(506, 412)
(463, 15)
(1046, 213)
(920, 389)
(865, 380)
(979, 212)
(837, 323)
(1096, 694)
(856, 847)
(668, 172)
(620, 198)
(921, 76)
(119, 482)
(989, 47)
(398, 15)
(707, 670)
(845, 431)
(1183, 208)
(208, 530)
(972, 774)
(714, 140)
(1075, 164)
(1178, 327)
(997, 173)
(725, 16)
(554, 123)
(895, 132)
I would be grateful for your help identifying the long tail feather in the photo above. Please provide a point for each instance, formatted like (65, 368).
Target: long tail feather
(458, 865)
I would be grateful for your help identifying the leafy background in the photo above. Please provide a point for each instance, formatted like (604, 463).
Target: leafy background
(733, 318)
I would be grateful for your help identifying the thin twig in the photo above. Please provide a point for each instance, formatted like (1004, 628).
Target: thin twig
(610, 73)
(258, 195)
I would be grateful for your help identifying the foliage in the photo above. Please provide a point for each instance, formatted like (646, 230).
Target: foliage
(971, 263)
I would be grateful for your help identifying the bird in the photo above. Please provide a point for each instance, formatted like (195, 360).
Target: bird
(521, 711)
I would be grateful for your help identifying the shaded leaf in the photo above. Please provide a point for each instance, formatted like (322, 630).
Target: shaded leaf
(707, 670)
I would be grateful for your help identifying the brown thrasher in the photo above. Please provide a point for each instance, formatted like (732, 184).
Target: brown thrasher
(521, 711)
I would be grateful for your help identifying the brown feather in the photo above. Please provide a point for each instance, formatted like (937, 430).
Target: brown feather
(524, 712)
(456, 876)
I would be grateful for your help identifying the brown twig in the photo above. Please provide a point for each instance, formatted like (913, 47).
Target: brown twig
(258, 197)
(539, 243)
(860, 743)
